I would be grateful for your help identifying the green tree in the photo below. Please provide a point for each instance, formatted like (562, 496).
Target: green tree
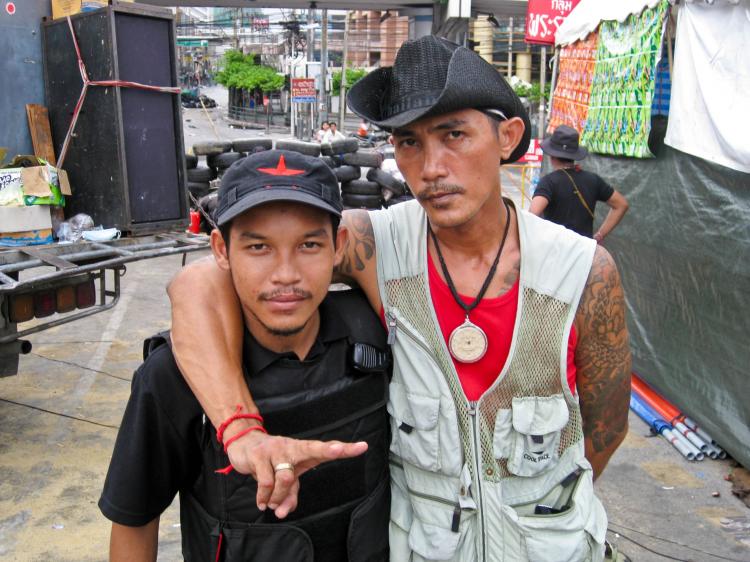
(352, 76)
(239, 71)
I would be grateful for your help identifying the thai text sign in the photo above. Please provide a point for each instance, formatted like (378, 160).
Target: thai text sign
(303, 90)
(543, 17)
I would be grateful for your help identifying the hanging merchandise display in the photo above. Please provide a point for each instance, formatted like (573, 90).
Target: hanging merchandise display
(622, 89)
(571, 97)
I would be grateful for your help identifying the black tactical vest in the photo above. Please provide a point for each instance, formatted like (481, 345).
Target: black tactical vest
(344, 505)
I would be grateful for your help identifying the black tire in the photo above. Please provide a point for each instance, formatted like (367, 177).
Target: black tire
(198, 189)
(345, 146)
(361, 187)
(367, 158)
(201, 174)
(362, 201)
(251, 145)
(211, 148)
(306, 148)
(348, 173)
(191, 161)
(224, 160)
(387, 181)
(329, 161)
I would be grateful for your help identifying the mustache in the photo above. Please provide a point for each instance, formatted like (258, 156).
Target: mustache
(285, 291)
(433, 189)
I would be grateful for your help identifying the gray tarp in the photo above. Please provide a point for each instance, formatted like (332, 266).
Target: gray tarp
(683, 251)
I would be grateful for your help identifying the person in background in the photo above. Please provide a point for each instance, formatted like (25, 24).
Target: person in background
(333, 134)
(324, 126)
(568, 195)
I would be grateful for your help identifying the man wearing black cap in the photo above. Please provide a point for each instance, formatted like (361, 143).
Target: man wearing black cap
(568, 195)
(511, 372)
(315, 361)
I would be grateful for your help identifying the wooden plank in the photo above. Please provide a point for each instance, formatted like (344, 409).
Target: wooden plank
(41, 134)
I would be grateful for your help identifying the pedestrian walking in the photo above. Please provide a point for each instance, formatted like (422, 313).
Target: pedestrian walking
(511, 375)
(569, 194)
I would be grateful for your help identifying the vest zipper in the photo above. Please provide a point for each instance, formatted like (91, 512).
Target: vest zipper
(456, 519)
(391, 328)
(478, 465)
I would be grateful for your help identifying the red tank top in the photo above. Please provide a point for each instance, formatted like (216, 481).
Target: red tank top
(496, 316)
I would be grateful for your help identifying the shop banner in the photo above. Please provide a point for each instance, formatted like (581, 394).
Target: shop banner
(543, 17)
(622, 88)
(570, 101)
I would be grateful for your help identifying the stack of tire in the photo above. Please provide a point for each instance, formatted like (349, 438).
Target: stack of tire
(219, 155)
(363, 184)
(351, 164)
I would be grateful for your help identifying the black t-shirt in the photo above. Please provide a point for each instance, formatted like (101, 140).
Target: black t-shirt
(564, 206)
(158, 447)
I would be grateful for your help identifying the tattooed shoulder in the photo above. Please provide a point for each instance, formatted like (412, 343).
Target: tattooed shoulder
(603, 353)
(359, 249)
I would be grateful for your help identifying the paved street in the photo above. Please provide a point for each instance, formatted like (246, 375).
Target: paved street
(58, 421)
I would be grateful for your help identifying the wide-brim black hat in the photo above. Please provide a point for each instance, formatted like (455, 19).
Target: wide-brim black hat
(564, 144)
(432, 76)
(277, 175)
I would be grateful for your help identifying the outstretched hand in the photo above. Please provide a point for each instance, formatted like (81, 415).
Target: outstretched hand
(257, 454)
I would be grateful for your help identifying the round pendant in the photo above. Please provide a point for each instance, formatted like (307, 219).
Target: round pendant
(468, 343)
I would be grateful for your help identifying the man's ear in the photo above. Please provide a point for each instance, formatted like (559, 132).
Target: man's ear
(342, 236)
(219, 248)
(511, 132)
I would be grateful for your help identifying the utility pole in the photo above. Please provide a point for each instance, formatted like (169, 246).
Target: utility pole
(324, 66)
(237, 15)
(542, 84)
(510, 47)
(342, 90)
(310, 59)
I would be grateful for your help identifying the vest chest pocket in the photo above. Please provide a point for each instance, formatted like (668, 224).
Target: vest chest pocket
(528, 435)
(414, 424)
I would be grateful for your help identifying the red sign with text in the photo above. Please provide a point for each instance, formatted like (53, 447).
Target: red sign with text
(543, 17)
(534, 154)
(303, 89)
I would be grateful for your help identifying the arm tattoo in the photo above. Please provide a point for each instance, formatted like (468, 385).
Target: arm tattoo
(360, 244)
(603, 356)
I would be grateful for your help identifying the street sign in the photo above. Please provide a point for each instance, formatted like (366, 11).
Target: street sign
(534, 154)
(303, 90)
(543, 17)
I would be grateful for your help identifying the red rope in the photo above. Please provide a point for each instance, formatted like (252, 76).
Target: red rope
(234, 438)
(218, 548)
(234, 417)
(105, 83)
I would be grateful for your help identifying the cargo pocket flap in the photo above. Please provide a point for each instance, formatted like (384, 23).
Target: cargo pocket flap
(416, 411)
(432, 542)
(535, 415)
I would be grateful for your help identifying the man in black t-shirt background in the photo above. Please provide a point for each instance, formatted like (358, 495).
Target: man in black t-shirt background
(315, 360)
(568, 195)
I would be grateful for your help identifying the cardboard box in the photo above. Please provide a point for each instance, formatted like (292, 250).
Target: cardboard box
(19, 219)
(18, 184)
(21, 226)
(62, 8)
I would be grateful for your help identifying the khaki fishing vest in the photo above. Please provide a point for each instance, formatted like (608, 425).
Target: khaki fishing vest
(503, 478)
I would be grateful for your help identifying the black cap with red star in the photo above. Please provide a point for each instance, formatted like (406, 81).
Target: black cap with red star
(277, 175)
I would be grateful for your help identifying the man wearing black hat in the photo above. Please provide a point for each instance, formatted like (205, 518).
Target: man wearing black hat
(315, 361)
(511, 375)
(568, 195)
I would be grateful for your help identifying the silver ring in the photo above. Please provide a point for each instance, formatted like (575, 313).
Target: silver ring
(283, 466)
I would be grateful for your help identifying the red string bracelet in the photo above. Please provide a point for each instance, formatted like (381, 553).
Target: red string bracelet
(234, 438)
(234, 417)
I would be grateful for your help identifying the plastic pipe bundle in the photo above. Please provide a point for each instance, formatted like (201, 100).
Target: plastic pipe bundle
(714, 450)
(647, 414)
(668, 412)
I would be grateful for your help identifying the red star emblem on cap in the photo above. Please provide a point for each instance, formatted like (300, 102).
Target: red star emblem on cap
(281, 169)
